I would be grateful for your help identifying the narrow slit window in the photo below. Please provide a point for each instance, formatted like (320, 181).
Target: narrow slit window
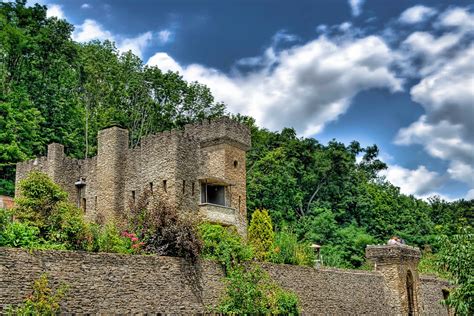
(164, 186)
(151, 187)
(95, 202)
(83, 204)
(184, 185)
(133, 196)
(192, 188)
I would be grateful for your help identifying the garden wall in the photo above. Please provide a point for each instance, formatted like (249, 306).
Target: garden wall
(114, 283)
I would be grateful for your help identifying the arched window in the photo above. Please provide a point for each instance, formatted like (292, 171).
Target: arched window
(410, 294)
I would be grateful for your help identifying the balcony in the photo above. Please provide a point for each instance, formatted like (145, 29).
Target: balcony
(219, 214)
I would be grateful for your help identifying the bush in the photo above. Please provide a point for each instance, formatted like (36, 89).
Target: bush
(163, 229)
(223, 244)
(251, 291)
(288, 250)
(43, 300)
(43, 204)
(261, 234)
(16, 234)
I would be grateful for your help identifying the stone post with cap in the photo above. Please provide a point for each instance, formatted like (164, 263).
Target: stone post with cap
(398, 265)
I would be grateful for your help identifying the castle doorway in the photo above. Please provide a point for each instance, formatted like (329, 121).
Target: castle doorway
(410, 294)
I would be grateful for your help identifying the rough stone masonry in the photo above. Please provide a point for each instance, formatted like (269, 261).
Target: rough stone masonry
(199, 169)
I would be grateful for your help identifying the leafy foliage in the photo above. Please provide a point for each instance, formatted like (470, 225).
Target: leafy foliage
(261, 234)
(457, 258)
(287, 249)
(251, 291)
(224, 244)
(162, 228)
(43, 204)
(43, 300)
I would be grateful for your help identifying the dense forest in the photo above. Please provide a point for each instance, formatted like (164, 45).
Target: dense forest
(53, 89)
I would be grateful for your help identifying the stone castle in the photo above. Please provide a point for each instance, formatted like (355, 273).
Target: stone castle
(198, 169)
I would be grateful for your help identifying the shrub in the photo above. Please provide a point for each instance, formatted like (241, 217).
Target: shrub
(223, 244)
(288, 250)
(43, 300)
(261, 234)
(251, 291)
(16, 234)
(109, 239)
(43, 204)
(163, 229)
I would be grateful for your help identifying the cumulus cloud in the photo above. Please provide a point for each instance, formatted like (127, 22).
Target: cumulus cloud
(356, 6)
(304, 86)
(418, 182)
(416, 14)
(92, 30)
(446, 92)
(136, 44)
(55, 10)
(85, 6)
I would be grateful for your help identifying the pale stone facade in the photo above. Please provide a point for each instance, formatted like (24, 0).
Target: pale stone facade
(199, 169)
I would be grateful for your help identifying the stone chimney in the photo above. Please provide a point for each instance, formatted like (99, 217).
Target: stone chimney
(398, 265)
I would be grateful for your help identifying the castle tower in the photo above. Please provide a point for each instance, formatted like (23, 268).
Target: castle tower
(398, 266)
(111, 163)
(222, 174)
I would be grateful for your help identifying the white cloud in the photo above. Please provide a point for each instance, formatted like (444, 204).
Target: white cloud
(416, 14)
(356, 6)
(136, 44)
(305, 86)
(85, 6)
(470, 195)
(91, 30)
(55, 10)
(164, 36)
(458, 18)
(446, 92)
(419, 182)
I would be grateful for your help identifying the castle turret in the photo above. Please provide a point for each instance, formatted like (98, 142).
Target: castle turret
(55, 161)
(111, 163)
(398, 266)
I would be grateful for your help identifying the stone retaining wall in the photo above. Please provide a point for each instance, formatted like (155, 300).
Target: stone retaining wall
(114, 283)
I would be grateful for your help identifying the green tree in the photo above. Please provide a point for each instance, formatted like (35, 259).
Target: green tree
(261, 235)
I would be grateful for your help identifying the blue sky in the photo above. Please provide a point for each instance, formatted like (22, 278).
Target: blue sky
(395, 73)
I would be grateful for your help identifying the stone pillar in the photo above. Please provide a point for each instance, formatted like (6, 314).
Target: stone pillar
(398, 265)
(111, 164)
(55, 161)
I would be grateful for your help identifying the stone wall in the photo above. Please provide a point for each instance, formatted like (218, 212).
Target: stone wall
(125, 284)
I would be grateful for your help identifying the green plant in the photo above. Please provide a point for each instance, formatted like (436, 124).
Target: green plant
(249, 290)
(456, 257)
(288, 250)
(261, 234)
(223, 244)
(109, 239)
(42, 301)
(43, 204)
(163, 228)
(16, 234)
